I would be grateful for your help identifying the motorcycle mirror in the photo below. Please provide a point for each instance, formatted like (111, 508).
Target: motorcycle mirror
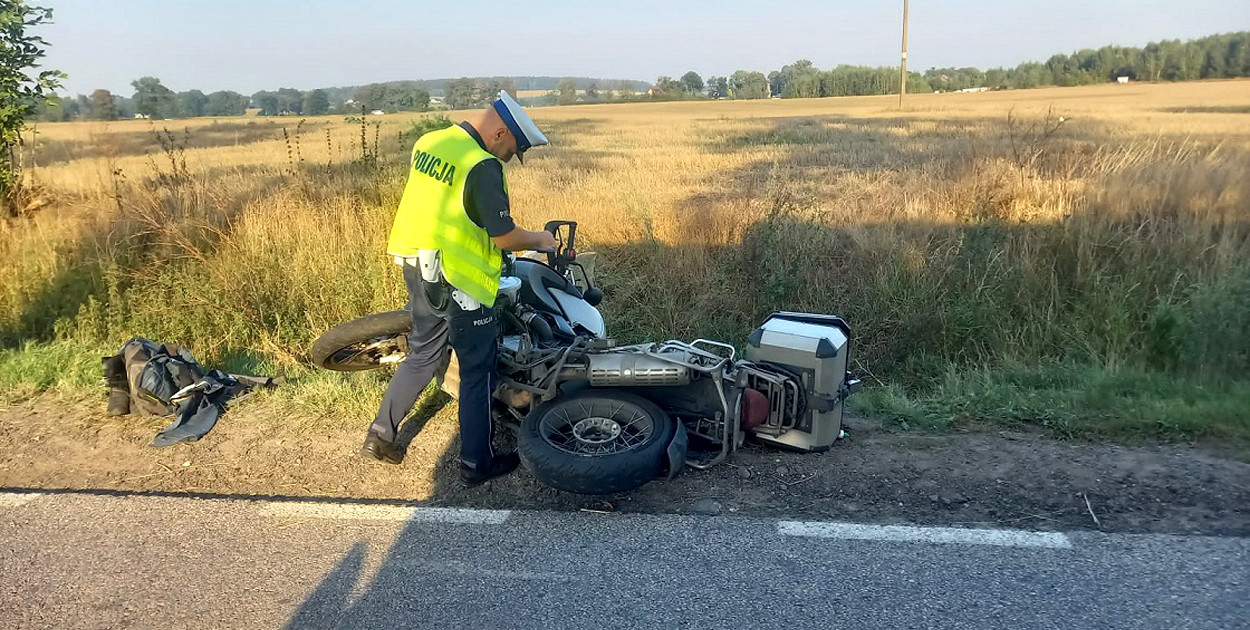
(593, 296)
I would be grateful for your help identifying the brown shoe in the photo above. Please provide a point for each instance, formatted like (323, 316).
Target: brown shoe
(381, 450)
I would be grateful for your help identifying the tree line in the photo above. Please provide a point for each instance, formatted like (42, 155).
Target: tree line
(1213, 57)
(1224, 56)
(151, 99)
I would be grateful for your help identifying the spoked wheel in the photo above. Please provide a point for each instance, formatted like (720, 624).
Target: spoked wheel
(365, 343)
(596, 441)
(596, 426)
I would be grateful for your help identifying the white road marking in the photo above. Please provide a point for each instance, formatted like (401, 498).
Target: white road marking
(946, 535)
(16, 499)
(460, 515)
(352, 511)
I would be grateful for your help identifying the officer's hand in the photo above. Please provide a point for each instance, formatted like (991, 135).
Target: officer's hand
(544, 241)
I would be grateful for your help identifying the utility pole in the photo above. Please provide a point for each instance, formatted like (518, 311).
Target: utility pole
(902, 72)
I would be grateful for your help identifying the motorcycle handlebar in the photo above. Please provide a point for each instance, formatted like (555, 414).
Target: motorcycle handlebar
(565, 249)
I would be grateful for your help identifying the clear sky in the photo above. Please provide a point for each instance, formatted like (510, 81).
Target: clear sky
(249, 45)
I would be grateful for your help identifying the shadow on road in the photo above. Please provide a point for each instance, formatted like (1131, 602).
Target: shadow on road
(332, 599)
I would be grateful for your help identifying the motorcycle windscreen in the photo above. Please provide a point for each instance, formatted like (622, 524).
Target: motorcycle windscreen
(580, 313)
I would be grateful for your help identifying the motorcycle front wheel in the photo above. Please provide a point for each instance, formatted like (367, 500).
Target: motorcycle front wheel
(365, 343)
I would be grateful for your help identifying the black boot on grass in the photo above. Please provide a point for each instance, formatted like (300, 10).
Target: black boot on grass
(119, 386)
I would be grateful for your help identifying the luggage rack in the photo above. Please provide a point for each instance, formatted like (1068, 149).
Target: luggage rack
(785, 399)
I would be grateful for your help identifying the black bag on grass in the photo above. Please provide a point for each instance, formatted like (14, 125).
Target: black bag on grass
(154, 379)
(155, 372)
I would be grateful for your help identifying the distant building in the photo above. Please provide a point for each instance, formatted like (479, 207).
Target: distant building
(1121, 79)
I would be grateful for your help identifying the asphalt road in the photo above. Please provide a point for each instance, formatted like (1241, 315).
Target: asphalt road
(89, 561)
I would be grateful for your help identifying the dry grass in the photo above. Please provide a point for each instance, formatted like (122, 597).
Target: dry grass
(969, 230)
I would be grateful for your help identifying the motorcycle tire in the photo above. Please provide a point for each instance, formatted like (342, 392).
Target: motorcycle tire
(596, 441)
(365, 343)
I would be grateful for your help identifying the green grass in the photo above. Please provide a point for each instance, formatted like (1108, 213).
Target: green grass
(1101, 289)
(350, 398)
(426, 124)
(1065, 401)
(57, 367)
(1070, 401)
(73, 370)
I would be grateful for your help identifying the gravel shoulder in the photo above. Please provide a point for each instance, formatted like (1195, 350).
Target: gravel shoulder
(988, 477)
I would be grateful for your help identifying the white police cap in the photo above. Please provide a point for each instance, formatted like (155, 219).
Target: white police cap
(519, 123)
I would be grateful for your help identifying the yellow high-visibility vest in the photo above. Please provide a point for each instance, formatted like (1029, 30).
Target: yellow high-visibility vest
(431, 214)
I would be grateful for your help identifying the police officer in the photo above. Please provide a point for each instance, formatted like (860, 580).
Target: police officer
(449, 230)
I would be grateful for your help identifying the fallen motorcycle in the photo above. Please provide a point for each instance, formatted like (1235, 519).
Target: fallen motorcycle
(595, 417)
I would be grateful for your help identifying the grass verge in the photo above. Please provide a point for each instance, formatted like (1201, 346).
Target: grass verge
(72, 370)
(59, 368)
(1064, 400)
(1071, 401)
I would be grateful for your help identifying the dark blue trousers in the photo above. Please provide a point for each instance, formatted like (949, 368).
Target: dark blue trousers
(474, 336)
